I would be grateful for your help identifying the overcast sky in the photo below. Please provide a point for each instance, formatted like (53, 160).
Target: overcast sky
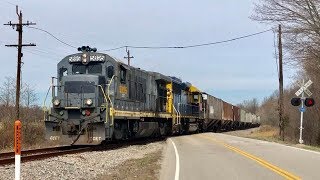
(234, 71)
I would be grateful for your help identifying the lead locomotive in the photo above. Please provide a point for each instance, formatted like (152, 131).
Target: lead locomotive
(98, 98)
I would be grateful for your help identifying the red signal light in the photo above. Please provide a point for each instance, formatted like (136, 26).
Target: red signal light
(88, 113)
(309, 102)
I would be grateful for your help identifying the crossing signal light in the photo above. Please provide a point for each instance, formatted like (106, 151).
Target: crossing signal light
(309, 102)
(295, 101)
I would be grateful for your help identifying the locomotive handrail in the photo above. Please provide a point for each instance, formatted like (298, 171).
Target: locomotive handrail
(44, 108)
(179, 113)
(104, 94)
(176, 113)
(105, 98)
(108, 93)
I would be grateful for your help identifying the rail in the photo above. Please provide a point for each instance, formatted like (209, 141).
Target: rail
(36, 154)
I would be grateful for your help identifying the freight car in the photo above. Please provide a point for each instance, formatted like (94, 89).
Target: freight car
(97, 98)
(220, 115)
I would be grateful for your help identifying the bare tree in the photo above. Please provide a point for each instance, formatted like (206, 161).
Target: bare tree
(7, 92)
(29, 96)
(250, 105)
(301, 21)
(8, 96)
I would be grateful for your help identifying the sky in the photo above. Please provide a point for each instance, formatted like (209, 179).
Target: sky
(234, 71)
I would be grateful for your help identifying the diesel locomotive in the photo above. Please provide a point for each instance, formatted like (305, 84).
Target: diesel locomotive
(96, 99)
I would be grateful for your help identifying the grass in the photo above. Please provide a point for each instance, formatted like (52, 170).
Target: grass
(33, 134)
(145, 168)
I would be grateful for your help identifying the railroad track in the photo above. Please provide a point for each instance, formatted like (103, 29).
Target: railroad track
(36, 154)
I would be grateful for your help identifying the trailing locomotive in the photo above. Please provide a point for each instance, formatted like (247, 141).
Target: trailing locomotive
(98, 99)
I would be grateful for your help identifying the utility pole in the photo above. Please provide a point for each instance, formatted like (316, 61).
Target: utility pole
(128, 56)
(19, 27)
(281, 123)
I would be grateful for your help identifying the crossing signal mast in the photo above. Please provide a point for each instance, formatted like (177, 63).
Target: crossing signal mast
(304, 102)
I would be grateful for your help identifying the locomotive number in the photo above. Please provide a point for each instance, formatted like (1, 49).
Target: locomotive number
(74, 59)
(96, 138)
(97, 58)
(54, 138)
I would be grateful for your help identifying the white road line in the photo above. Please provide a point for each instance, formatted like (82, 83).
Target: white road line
(176, 176)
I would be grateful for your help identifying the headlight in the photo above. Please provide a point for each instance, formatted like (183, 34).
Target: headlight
(56, 102)
(84, 58)
(89, 102)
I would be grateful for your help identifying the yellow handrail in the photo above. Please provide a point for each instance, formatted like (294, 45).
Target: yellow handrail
(108, 93)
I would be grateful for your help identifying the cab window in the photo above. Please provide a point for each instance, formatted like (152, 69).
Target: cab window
(95, 69)
(110, 71)
(78, 69)
(63, 72)
(196, 98)
(123, 74)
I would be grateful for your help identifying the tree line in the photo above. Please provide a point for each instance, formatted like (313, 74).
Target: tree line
(300, 20)
(31, 115)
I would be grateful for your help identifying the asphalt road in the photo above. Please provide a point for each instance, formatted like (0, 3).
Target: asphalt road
(220, 156)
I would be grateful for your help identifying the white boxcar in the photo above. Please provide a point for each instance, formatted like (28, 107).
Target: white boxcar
(243, 116)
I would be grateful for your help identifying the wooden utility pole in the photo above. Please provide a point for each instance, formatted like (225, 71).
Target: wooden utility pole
(18, 27)
(128, 56)
(281, 123)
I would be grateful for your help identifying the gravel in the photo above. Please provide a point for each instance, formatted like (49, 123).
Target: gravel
(80, 166)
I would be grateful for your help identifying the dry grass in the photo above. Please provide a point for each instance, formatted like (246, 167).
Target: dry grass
(265, 132)
(33, 135)
(145, 168)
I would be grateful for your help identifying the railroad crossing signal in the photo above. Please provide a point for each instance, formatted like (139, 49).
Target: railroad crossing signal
(308, 102)
(304, 102)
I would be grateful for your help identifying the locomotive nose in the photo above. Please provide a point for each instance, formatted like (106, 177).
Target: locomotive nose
(80, 91)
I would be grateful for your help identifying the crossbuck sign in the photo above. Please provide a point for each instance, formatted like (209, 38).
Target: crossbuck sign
(304, 88)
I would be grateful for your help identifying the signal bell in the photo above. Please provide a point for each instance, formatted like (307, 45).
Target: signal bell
(295, 101)
(309, 102)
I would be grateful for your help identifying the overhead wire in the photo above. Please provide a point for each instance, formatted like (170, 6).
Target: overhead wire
(40, 55)
(61, 41)
(8, 2)
(190, 46)
(44, 51)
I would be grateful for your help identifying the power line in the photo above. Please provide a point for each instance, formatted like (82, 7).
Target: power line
(190, 46)
(8, 2)
(67, 44)
(40, 55)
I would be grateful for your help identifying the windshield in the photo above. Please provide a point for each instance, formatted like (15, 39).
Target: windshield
(87, 69)
(79, 87)
(78, 69)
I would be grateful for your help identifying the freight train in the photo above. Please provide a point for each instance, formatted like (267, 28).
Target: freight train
(96, 99)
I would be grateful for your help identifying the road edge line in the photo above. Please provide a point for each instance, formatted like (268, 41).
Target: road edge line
(177, 171)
